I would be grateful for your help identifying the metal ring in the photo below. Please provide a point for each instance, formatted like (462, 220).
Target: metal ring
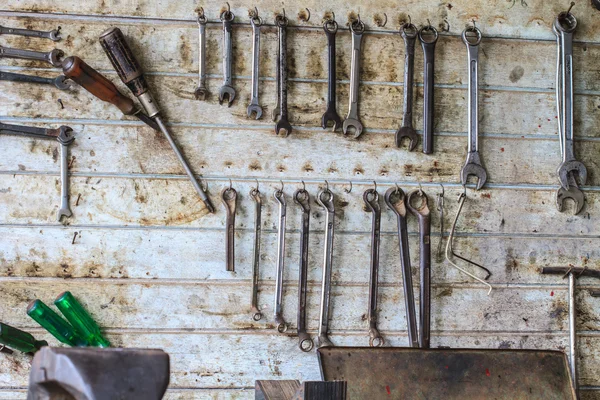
(281, 19)
(201, 17)
(330, 23)
(376, 342)
(428, 28)
(478, 35)
(308, 348)
(227, 16)
(409, 30)
(282, 328)
(360, 26)
(257, 316)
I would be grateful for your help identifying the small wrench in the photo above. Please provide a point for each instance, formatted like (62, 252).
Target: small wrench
(201, 91)
(227, 88)
(371, 199)
(422, 214)
(395, 199)
(53, 35)
(282, 326)
(60, 82)
(473, 163)
(325, 200)
(255, 194)
(357, 28)
(330, 27)
(283, 123)
(54, 57)
(229, 199)
(254, 106)
(409, 34)
(428, 45)
(302, 198)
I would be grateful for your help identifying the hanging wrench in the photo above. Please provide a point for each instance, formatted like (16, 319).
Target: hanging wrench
(255, 194)
(325, 200)
(254, 106)
(357, 28)
(54, 57)
(395, 199)
(229, 198)
(283, 123)
(227, 88)
(428, 45)
(573, 193)
(282, 326)
(53, 35)
(201, 91)
(422, 213)
(60, 82)
(276, 110)
(330, 27)
(473, 163)
(371, 199)
(302, 198)
(409, 34)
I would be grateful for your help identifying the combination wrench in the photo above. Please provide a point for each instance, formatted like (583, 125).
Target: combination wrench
(255, 194)
(201, 92)
(227, 88)
(331, 116)
(283, 123)
(53, 35)
(325, 200)
(371, 199)
(229, 199)
(254, 107)
(302, 198)
(409, 34)
(428, 44)
(357, 28)
(396, 201)
(473, 163)
(60, 82)
(282, 326)
(53, 57)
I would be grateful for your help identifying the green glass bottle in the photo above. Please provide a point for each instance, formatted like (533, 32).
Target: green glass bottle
(80, 319)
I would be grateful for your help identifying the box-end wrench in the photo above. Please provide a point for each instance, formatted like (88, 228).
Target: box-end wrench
(421, 211)
(200, 92)
(371, 199)
(325, 200)
(60, 82)
(302, 198)
(254, 107)
(229, 199)
(227, 89)
(282, 326)
(473, 163)
(283, 125)
(395, 199)
(428, 37)
(352, 121)
(53, 57)
(331, 116)
(53, 35)
(255, 194)
(409, 34)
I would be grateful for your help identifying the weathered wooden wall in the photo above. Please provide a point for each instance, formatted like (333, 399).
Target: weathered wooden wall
(148, 262)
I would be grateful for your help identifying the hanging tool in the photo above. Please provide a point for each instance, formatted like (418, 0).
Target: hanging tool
(53, 57)
(409, 34)
(428, 37)
(120, 55)
(357, 28)
(325, 200)
(255, 194)
(79, 319)
(53, 323)
(200, 92)
(283, 125)
(282, 326)
(227, 89)
(60, 82)
(440, 208)
(371, 199)
(53, 35)
(19, 340)
(254, 107)
(302, 198)
(229, 198)
(331, 115)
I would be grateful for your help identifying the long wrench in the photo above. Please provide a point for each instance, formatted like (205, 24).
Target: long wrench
(473, 163)
(227, 88)
(282, 326)
(330, 27)
(255, 194)
(60, 82)
(325, 200)
(283, 125)
(371, 199)
(229, 198)
(302, 198)
(53, 35)
(428, 45)
(254, 106)
(200, 92)
(352, 121)
(54, 57)
(409, 34)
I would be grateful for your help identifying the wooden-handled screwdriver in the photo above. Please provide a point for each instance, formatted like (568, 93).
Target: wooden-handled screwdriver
(132, 75)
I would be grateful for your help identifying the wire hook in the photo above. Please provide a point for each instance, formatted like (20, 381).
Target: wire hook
(303, 18)
(327, 185)
(303, 186)
(379, 23)
(332, 19)
(230, 185)
(375, 183)
(201, 12)
(429, 24)
(349, 190)
(281, 190)
(256, 188)
(569, 10)
(420, 189)
(397, 188)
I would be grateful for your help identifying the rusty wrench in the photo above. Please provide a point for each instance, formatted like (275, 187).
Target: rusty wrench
(53, 57)
(282, 326)
(283, 124)
(60, 82)
(53, 35)
(200, 92)
(255, 194)
(352, 121)
(428, 45)
(409, 34)
(371, 199)
(227, 88)
(229, 199)
(254, 106)
(302, 198)
(330, 27)
(325, 200)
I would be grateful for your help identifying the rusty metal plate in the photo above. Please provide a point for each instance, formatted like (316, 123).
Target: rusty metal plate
(407, 373)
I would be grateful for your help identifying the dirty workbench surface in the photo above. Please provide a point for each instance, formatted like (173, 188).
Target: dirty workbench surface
(149, 262)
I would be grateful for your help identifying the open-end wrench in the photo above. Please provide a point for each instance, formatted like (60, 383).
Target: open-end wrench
(227, 88)
(395, 199)
(371, 199)
(53, 35)
(283, 124)
(229, 199)
(325, 200)
(357, 28)
(54, 57)
(473, 163)
(573, 193)
(60, 82)
(428, 37)
(200, 92)
(254, 106)
(302, 198)
(330, 27)
(276, 111)
(282, 326)
(409, 34)
(421, 211)
(255, 194)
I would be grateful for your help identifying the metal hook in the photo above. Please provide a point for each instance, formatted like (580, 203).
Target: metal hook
(201, 12)
(228, 7)
(446, 28)
(327, 185)
(375, 183)
(254, 14)
(474, 27)
(440, 208)
(420, 189)
(382, 25)
(303, 186)
(283, 12)
(358, 18)
(429, 24)
(569, 10)
(409, 20)
(332, 16)
(302, 17)
(281, 190)
(230, 185)
(397, 188)
(256, 188)
(349, 190)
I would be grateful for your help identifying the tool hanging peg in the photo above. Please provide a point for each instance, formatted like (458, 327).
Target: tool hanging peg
(201, 92)
(409, 34)
(428, 37)
(283, 125)
(227, 89)
(331, 115)
(229, 199)
(254, 107)
(352, 121)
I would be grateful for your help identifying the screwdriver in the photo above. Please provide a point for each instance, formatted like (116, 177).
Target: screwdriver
(80, 319)
(20, 340)
(53, 323)
(129, 70)
(91, 80)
